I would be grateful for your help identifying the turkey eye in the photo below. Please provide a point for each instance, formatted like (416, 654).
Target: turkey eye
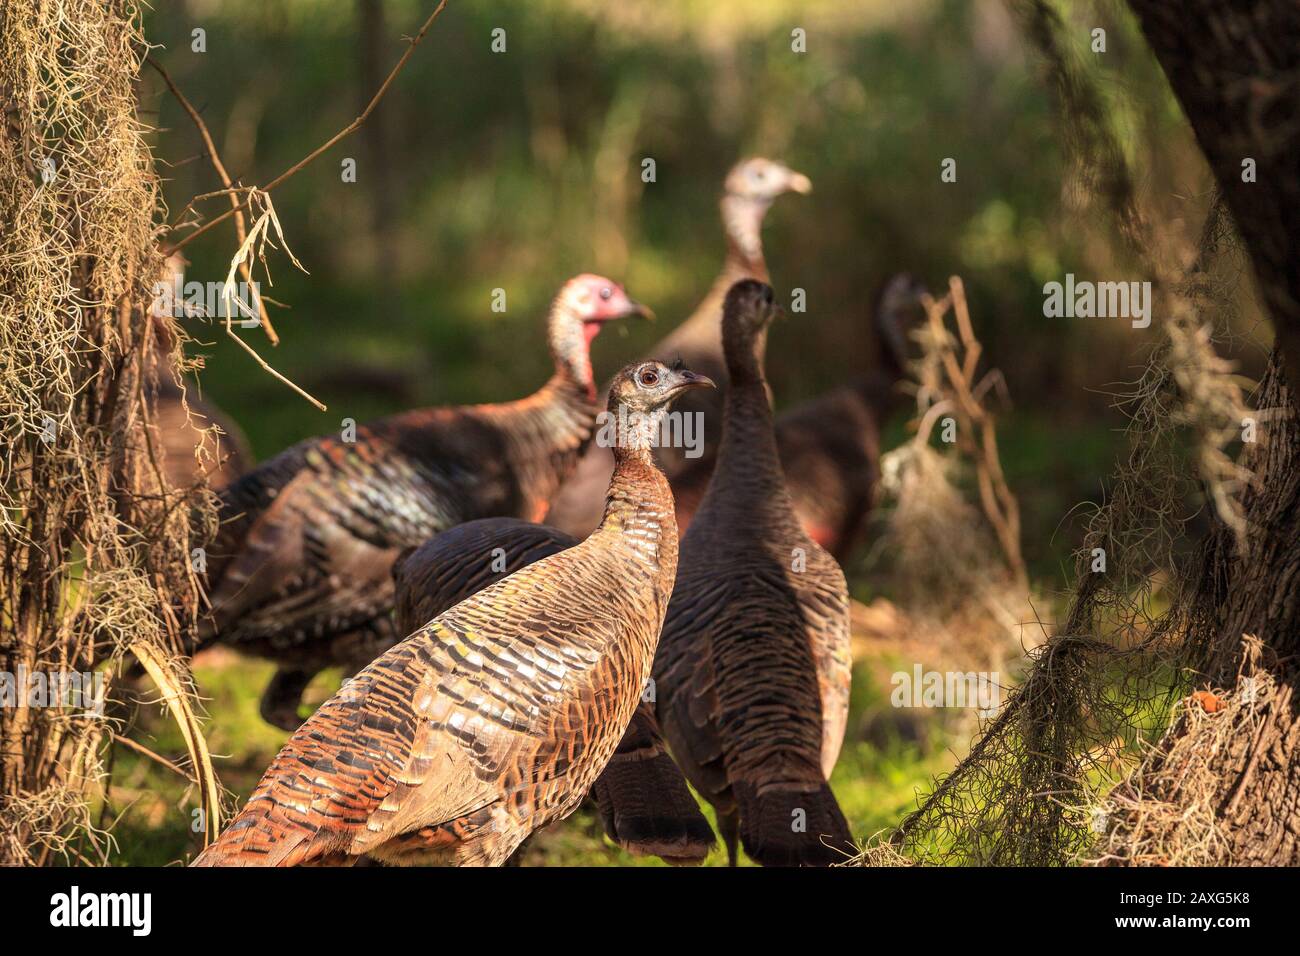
(649, 378)
(606, 292)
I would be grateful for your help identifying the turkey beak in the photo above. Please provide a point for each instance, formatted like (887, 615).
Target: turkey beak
(637, 309)
(800, 183)
(686, 379)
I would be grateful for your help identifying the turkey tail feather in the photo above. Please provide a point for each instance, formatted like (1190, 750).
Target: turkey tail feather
(793, 826)
(644, 802)
(648, 810)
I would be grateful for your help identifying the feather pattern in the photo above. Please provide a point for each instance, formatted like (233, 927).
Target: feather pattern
(753, 670)
(495, 717)
(643, 800)
(301, 569)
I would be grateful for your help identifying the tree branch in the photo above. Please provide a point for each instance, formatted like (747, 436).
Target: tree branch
(241, 229)
(316, 153)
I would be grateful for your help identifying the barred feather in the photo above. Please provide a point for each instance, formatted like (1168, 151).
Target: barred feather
(301, 570)
(494, 718)
(643, 800)
(753, 669)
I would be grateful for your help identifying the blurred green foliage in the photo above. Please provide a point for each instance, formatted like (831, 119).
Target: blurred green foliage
(515, 170)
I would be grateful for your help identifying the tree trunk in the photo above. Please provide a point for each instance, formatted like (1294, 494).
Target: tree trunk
(94, 545)
(1235, 68)
(1223, 786)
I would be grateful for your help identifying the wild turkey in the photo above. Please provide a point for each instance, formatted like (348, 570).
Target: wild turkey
(496, 717)
(643, 800)
(830, 445)
(748, 192)
(300, 572)
(179, 431)
(752, 673)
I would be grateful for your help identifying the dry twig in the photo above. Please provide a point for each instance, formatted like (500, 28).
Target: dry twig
(241, 231)
(324, 147)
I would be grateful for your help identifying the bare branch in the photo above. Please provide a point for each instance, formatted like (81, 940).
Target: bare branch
(241, 230)
(316, 153)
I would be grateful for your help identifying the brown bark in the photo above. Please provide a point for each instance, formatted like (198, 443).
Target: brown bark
(1258, 594)
(1223, 786)
(1235, 69)
(92, 538)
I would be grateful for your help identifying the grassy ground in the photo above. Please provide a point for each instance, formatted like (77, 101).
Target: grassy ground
(889, 756)
(876, 781)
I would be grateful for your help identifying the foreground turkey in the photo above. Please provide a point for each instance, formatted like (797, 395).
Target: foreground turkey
(496, 717)
(300, 572)
(748, 192)
(753, 668)
(644, 803)
(830, 445)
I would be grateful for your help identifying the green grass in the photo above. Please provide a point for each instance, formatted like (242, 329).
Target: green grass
(875, 782)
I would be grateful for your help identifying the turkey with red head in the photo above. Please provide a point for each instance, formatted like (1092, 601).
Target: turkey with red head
(496, 717)
(300, 572)
(748, 193)
(753, 669)
(643, 800)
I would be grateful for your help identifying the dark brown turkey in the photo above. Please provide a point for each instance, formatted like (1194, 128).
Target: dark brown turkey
(748, 192)
(300, 572)
(753, 668)
(642, 797)
(496, 717)
(830, 445)
(180, 417)
(180, 434)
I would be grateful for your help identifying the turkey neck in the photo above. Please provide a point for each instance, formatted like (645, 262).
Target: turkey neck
(747, 480)
(639, 515)
(566, 335)
(550, 429)
(696, 340)
(742, 218)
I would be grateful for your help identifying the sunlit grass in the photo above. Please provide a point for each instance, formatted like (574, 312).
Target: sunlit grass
(875, 784)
